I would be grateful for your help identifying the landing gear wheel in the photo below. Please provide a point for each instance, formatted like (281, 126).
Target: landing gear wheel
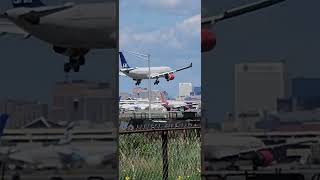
(75, 64)
(67, 67)
(82, 61)
(156, 82)
(138, 82)
(76, 67)
(72, 60)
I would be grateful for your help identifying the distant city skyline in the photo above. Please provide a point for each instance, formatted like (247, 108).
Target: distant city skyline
(176, 94)
(284, 32)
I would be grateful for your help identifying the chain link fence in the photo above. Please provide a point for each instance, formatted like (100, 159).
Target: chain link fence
(160, 154)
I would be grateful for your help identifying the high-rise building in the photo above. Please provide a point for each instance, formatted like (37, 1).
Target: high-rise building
(22, 112)
(197, 91)
(258, 86)
(85, 101)
(143, 93)
(185, 89)
(124, 95)
(306, 92)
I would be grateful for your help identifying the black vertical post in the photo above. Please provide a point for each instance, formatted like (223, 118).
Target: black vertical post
(165, 164)
(3, 163)
(75, 110)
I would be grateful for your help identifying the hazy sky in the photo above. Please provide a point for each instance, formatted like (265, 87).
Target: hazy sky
(29, 68)
(288, 31)
(170, 31)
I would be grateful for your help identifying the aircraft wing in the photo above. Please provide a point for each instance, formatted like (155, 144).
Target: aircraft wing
(34, 15)
(239, 11)
(21, 157)
(122, 74)
(8, 27)
(50, 10)
(157, 75)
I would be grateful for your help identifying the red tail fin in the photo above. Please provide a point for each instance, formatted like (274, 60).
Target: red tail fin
(163, 99)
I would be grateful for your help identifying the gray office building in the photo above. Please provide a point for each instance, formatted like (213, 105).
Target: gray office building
(83, 101)
(22, 112)
(258, 86)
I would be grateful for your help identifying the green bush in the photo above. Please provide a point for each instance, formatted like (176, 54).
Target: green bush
(141, 155)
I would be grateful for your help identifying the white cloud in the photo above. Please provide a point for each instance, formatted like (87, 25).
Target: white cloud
(182, 35)
(164, 3)
(169, 6)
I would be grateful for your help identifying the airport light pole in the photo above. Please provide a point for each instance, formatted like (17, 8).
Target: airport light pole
(147, 58)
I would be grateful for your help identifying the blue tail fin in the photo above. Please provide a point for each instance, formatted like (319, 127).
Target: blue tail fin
(3, 122)
(124, 63)
(27, 3)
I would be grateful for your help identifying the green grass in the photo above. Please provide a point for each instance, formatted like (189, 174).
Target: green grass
(141, 156)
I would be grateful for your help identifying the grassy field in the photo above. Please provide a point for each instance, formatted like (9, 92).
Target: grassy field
(141, 156)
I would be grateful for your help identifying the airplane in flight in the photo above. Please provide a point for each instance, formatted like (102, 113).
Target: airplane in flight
(208, 38)
(71, 29)
(140, 73)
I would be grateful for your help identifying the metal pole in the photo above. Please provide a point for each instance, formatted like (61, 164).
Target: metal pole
(165, 165)
(149, 65)
(145, 57)
(3, 170)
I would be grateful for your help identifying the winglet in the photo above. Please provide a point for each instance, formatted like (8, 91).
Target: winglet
(239, 11)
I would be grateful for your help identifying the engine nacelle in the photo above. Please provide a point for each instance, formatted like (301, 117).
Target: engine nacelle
(169, 77)
(71, 52)
(264, 158)
(208, 40)
(32, 18)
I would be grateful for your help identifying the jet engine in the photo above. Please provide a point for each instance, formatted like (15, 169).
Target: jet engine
(261, 158)
(71, 52)
(264, 158)
(208, 40)
(169, 77)
(32, 18)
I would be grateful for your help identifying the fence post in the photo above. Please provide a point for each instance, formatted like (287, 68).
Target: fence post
(3, 164)
(165, 164)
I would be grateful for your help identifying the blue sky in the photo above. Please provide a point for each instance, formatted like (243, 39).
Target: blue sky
(169, 30)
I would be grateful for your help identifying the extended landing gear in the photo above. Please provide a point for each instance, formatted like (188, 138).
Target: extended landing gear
(82, 61)
(138, 82)
(67, 67)
(156, 82)
(74, 64)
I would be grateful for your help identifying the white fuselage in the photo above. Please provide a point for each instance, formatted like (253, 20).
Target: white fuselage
(91, 26)
(139, 104)
(176, 104)
(143, 72)
(93, 153)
